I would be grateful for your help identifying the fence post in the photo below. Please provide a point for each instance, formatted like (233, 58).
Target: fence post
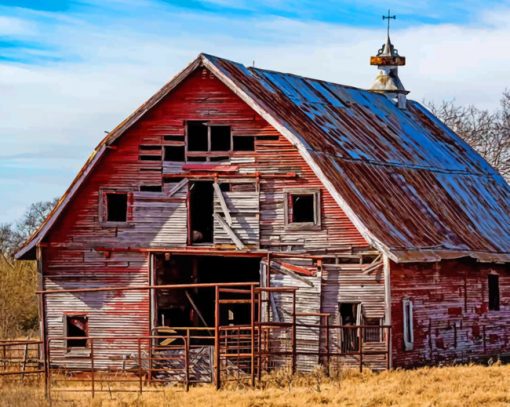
(294, 333)
(328, 359)
(140, 370)
(360, 331)
(217, 336)
(186, 357)
(252, 336)
(47, 371)
(92, 366)
(388, 350)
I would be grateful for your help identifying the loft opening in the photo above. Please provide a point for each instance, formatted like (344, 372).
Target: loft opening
(302, 209)
(201, 208)
(195, 307)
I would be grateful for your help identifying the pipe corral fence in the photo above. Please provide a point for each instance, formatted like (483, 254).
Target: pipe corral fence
(200, 354)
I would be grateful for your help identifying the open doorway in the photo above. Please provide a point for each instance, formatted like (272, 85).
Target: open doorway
(194, 307)
(200, 215)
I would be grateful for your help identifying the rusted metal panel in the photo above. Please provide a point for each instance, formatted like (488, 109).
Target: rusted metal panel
(451, 318)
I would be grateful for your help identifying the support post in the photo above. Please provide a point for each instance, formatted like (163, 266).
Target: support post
(252, 336)
(294, 333)
(140, 370)
(387, 302)
(186, 357)
(360, 346)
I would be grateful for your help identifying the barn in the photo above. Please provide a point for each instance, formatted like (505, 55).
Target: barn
(243, 220)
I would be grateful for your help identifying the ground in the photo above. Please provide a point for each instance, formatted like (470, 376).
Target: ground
(442, 386)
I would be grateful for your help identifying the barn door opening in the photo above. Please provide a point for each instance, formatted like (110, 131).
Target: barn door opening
(201, 212)
(194, 307)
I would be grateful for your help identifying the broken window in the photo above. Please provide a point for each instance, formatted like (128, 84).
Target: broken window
(220, 138)
(493, 283)
(244, 143)
(408, 329)
(197, 133)
(116, 206)
(174, 153)
(76, 330)
(303, 208)
(372, 330)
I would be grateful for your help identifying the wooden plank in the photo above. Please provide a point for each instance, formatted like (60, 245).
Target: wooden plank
(223, 204)
(176, 188)
(278, 267)
(239, 244)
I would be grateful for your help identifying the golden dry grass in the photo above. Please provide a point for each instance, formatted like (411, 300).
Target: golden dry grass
(445, 386)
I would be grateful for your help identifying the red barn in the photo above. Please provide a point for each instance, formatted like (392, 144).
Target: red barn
(305, 221)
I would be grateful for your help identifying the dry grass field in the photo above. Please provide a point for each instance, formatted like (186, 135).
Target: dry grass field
(447, 386)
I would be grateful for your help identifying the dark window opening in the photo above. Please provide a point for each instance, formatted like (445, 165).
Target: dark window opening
(493, 292)
(150, 158)
(76, 327)
(197, 159)
(302, 208)
(244, 143)
(197, 136)
(116, 207)
(220, 138)
(150, 148)
(349, 313)
(201, 212)
(173, 138)
(219, 159)
(174, 153)
(151, 188)
(225, 187)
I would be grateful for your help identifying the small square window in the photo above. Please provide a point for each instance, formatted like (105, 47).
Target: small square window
(116, 207)
(76, 330)
(303, 209)
(244, 143)
(174, 153)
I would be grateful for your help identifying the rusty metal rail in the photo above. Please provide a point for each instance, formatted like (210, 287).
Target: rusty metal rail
(21, 357)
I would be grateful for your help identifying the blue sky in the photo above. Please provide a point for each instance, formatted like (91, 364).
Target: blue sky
(70, 70)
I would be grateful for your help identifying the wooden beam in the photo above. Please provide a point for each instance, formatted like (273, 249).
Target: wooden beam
(176, 188)
(278, 267)
(223, 204)
(238, 242)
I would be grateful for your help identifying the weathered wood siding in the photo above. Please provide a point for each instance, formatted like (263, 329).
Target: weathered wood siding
(451, 316)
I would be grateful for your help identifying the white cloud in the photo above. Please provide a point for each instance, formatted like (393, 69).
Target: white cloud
(108, 68)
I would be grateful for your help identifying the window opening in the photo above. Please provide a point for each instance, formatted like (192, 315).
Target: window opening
(493, 292)
(116, 207)
(350, 314)
(173, 138)
(197, 136)
(174, 153)
(244, 143)
(220, 138)
(150, 157)
(201, 212)
(268, 138)
(151, 188)
(150, 148)
(408, 329)
(219, 159)
(76, 327)
(301, 208)
(197, 159)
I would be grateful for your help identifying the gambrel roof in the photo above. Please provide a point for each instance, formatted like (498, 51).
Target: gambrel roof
(413, 188)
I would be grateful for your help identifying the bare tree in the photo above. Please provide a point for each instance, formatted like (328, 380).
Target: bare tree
(487, 132)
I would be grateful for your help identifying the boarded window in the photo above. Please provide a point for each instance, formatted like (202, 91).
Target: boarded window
(116, 207)
(408, 328)
(303, 209)
(493, 292)
(76, 330)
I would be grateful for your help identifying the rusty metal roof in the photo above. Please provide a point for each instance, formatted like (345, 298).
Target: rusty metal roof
(411, 186)
(417, 188)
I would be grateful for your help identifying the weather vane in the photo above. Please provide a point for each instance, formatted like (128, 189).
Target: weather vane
(389, 17)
